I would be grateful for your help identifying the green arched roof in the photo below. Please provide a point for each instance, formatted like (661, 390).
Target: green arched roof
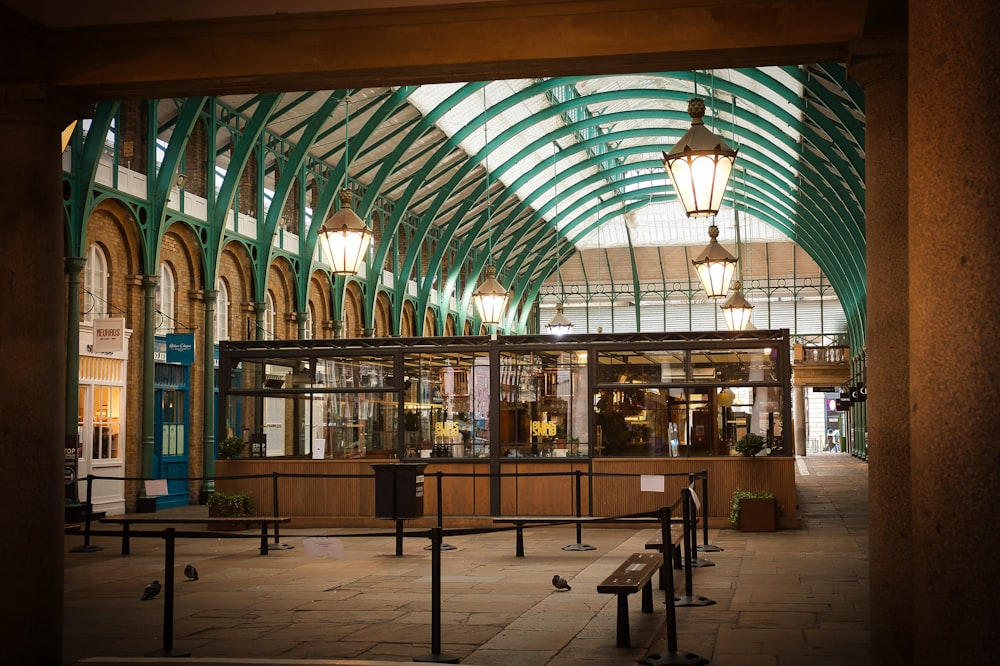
(565, 155)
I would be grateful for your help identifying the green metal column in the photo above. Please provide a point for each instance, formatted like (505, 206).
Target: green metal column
(208, 422)
(149, 284)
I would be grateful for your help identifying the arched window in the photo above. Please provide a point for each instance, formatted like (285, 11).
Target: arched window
(166, 292)
(94, 297)
(221, 311)
(310, 322)
(269, 317)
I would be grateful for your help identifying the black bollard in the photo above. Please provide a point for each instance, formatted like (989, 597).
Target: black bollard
(689, 598)
(706, 547)
(671, 656)
(579, 545)
(440, 511)
(435, 654)
(87, 547)
(277, 545)
(693, 527)
(168, 601)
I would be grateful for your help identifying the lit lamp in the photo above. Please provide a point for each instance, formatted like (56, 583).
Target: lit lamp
(715, 266)
(490, 297)
(559, 324)
(345, 235)
(726, 397)
(737, 310)
(699, 165)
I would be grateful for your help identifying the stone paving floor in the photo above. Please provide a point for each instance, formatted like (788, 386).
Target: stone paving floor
(787, 598)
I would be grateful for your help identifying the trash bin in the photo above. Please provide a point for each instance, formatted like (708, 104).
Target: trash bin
(258, 445)
(399, 490)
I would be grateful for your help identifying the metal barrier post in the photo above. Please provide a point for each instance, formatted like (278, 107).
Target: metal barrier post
(277, 545)
(579, 545)
(168, 601)
(693, 527)
(435, 654)
(671, 656)
(440, 510)
(399, 537)
(689, 599)
(87, 547)
(706, 547)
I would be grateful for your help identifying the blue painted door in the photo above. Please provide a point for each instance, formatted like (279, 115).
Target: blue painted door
(170, 451)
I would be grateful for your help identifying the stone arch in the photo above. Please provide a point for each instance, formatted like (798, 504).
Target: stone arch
(407, 325)
(181, 250)
(235, 268)
(112, 227)
(353, 311)
(383, 316)
(281, 284)
(321, 300)
(430, 323)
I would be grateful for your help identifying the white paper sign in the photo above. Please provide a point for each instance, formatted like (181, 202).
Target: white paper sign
(155, 487)
(319, 448)
(651, 483)
(324, 547)
(694, 498)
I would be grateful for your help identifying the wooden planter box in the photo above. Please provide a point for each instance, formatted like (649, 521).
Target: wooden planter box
(758, 514)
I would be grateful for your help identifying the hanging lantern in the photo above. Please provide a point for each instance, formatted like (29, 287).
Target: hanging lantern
(345, 237)
(737, 310)
(490, 298)
(559, 324)
(726, 397)
(715, 266)
(699, 165)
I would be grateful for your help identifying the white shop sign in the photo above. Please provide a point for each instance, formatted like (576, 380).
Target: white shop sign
(109, 334)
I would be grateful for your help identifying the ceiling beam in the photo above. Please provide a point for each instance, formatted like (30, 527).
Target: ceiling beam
(436, 43)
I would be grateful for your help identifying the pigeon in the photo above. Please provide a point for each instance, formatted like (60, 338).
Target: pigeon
(560, 583)
(191, 572)
(151, 590)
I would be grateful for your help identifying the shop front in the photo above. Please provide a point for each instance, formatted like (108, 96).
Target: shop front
(514, 418)
(101, 414)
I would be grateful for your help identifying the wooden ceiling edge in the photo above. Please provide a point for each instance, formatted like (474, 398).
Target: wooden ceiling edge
(466, 72)
(444, 44)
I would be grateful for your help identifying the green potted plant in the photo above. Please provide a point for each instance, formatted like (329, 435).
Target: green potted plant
(753, 511)
(750, 444)
(231, 447)
(222, 505)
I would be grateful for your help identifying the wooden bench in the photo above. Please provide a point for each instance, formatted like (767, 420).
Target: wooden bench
(632, 575)
(520, 521)
(676, 541)
(129, 519)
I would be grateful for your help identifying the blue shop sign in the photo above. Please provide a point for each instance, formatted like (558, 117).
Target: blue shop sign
(180, 348)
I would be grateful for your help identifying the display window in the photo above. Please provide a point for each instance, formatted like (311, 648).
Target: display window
(527, 398)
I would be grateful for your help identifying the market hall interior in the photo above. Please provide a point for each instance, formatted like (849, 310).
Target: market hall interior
(930, 229)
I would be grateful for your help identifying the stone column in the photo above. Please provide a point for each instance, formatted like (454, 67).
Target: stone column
(881, 68)
(33, 390)
(801, 418)
(954, 323)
